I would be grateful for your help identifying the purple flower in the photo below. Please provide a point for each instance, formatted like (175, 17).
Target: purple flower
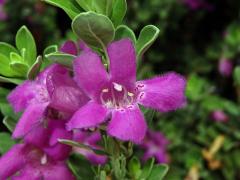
(115, 95)
(155, 145)
(24, 161)
(197, 4)
(219, 116)
(73, 48)
(225, 67)
(89, 139)
(47, 135)
(53, 94)
(3, 14)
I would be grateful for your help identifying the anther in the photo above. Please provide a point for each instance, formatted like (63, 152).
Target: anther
(117, 87)
(44, 159)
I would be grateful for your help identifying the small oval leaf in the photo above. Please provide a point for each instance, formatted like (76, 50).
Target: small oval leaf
(146, 38)
(25, 40)
(94, 29)
(123, 31)
(61, 58)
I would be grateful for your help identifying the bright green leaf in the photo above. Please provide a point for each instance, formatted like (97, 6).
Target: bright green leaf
(5, 69)
(103, 6)
(158, 172)
(6, 49)
(123, 31)
(85, 4)
(11, 80)
(94, 29)
(6, 142)
(146, 38)
(69, 6)
(25, 40)
(50, 49)
(147, 168)
(134, 167)
(118, 12)
(19, 68)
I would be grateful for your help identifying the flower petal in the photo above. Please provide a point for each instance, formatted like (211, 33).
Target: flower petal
(164, 93)
(90, 73)
(128, 125)
(90, 115)
(58, 171)
(40, 133)
(30, 119)
(21, 96)
(64, 93)
(69, 47)
(122, 62)
(12, 161)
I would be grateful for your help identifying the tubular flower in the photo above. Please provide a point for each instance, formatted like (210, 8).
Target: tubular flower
(73, 48)
(3, 14)
(219, 116)
(47, 136)
(115, 95)
(155, 145)
(225, 67)
(90, 139)
(24, 161)
(197, 4)
(53, 94)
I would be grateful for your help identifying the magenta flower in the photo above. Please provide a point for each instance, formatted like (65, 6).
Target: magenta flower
(219, 116)
(115, 95)
(90, 139)
(47, 135)
(73, 48)
(24, 161)
(53, 94)
(197, 4)
(155, 145)
(3, 14)
(225, 67)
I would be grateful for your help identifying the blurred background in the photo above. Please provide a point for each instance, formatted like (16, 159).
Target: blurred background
(199, 39)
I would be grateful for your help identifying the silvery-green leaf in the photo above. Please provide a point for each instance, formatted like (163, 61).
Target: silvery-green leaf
(94, 29)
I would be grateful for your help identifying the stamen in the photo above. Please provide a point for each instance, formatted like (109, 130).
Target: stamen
(105, 90)
(130, 94)
(44, 159)
(117, 87)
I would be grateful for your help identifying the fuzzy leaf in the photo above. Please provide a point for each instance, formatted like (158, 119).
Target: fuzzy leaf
(6, 49)
(85, 4)
(11, 80)
(146, 38)
(6, 142)
(147, 169)
(94, 29)
(34, 70)
(103, 6)
(9, 123)
(158, 172)
(5, 69)
(134, 167)
(118, 12)
(123, 31)
(69, 6)
(25, 40)
(61, 58)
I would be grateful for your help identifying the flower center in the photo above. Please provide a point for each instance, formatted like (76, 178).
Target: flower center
(116, 96)
(44, 159)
